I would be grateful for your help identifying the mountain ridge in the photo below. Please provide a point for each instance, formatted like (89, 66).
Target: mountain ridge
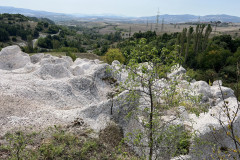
(112, 17)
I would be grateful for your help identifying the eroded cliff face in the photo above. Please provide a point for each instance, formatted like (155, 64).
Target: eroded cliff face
(43, 90)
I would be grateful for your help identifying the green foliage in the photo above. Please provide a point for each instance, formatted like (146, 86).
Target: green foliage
(89, 146)
(72, 55)
(45, 42)
(53, 29)
(67, 49)
(141, 81)
(149, 35)
(4, 35)
(176, 137)
(56, 143)
(14, 39)
(17, 146)
(114, 54)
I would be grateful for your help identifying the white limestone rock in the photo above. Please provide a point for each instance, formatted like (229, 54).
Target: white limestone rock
(201, 87)
(44, 90)
(12, 58)
(77, 71)
(221, 92)
(176, 70)
(36, 57)
(217, 83)
(49, 71)
(115, 63)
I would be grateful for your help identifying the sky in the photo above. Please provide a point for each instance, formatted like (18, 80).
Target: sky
(134, 8)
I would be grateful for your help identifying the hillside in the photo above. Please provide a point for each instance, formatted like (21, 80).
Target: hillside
(192, 18)
(21, 30)
(42, 35)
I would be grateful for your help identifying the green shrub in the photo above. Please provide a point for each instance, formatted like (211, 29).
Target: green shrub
(72, 55)
(66, 49)
(56, 143)
(14, 39)
(114, 54)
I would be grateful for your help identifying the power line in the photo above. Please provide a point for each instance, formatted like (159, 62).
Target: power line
(158, 15)
(162, 28)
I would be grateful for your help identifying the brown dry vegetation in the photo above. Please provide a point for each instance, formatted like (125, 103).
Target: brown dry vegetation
(111, 27)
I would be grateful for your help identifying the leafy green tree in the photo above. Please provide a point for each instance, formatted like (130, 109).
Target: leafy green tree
(183, 39)
(114, 54)
(4, 36)
(198, 38)
(104, 49)
(72, 55)
(53, 29)
(206, 37)
(30, 44)
(39, 27)
(189, 37)
(35, 34)
(141, 82)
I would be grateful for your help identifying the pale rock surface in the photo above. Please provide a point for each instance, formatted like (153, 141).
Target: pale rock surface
(43, 90)
(177, 70)
(13, 58)
(36, 58)
(217, 83)
(221, 92)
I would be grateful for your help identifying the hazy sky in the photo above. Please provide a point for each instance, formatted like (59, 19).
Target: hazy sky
(130, 7)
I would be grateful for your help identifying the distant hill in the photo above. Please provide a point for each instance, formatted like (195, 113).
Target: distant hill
(17, 29)
(152, 19)
(192, 18)
(33, 13)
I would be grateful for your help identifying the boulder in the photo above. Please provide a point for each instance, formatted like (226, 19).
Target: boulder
(176, 70)
(77, 71)
(115, 63)
(210, 133)
(201, 87)
(56, 61)
(49, 71)
(217, 83)
(12, 58)
(220, 92)
(36, 57)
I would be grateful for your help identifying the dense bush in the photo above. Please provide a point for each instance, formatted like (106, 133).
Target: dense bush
(72, 55)
(4, 35)
(114, 54)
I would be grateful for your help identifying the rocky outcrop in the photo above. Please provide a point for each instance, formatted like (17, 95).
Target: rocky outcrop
(43, 90)
(177, 70)
(50, 90)
(13, 58)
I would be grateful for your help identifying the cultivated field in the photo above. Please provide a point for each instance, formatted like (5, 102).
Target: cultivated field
(126, 28)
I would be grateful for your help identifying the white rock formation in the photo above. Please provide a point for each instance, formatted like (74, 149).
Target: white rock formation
(177, 70)
(43, 90)
(13, 58)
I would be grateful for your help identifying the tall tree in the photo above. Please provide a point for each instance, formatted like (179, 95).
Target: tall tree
(183, 39)
(189, 37)
(206, 37)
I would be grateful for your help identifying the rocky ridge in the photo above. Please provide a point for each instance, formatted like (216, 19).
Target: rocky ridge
(43, 90)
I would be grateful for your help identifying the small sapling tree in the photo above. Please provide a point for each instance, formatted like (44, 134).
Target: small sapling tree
(147, 72)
